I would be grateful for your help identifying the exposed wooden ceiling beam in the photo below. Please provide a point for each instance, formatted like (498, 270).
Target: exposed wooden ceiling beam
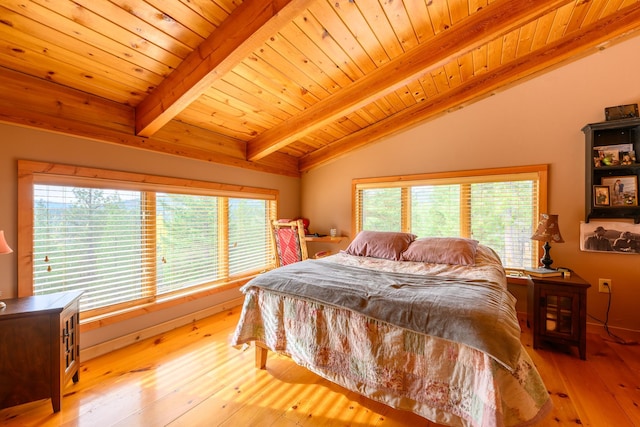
(248, 26)
(617, 25)
(501, 17)
(41, 104)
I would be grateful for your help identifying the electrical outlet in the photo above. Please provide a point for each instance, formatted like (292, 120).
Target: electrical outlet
(604, 286)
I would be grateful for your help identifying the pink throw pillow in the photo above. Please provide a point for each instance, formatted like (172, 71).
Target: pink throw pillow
(380, 244)
(442, 250)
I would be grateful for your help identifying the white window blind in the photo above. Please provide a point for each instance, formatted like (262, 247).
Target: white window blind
(126, 247)
(187, 233)
(496, 208)
(250, 248)
(90, 239)
(436, 210)
(381, 209)
(504, 216)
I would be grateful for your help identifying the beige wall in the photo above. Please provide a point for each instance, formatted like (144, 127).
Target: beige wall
(538, 121)
(21, 143)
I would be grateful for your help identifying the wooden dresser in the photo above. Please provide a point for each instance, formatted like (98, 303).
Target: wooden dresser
(39, 348)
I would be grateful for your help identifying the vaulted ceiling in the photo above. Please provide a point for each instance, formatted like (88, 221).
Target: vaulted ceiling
(281, 86)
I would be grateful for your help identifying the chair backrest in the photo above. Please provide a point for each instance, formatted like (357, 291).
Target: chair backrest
(289, 240)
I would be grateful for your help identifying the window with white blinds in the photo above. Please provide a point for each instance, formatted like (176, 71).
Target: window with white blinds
(92, 240)
(249, 235)
(125, 247)
(497, 207)
(186, 229)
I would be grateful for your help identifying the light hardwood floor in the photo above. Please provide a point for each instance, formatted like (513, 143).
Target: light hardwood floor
(193, 377)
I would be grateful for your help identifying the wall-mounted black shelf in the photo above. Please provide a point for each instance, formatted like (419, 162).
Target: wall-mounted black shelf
(610, 136)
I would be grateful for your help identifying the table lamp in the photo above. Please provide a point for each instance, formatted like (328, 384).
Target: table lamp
(548, 231)
(4, 249)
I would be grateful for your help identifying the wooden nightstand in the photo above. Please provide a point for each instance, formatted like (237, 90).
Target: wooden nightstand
(557, 311)
(39, 348)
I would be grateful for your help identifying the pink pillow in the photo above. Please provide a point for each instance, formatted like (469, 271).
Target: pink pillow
(380, 244)
(442, 250)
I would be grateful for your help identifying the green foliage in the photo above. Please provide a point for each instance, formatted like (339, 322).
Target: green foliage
(81, 236)
(249, 229)
(120, 246)
(435, 210)
(381, 209)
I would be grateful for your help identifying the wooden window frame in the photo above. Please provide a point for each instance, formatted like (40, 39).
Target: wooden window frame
(32, 172)
(540, 172)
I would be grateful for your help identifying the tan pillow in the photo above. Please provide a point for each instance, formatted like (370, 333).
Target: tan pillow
(442, 250)
(380, 244)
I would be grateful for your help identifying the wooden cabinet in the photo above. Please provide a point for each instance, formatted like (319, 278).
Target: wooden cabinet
(557, 309)
(39, 348)
(606, 144)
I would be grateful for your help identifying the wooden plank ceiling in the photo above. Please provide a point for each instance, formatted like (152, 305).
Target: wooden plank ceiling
(281, 86)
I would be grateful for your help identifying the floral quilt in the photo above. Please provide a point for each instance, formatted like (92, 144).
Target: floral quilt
(443, 381)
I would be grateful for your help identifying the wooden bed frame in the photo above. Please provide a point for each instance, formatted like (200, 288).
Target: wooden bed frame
(261, 355)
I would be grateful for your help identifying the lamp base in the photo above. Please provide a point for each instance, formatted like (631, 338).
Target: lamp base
(546, 258)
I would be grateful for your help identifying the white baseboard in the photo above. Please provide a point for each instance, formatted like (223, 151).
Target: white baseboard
(626, 334)
(123, 341)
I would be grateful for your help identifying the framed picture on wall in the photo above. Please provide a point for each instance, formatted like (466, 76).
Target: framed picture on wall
(601, 196)
(610, 236)
(623, 190)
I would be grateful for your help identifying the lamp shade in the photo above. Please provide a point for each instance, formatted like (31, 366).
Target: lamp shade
(548, 229)
(4, 247)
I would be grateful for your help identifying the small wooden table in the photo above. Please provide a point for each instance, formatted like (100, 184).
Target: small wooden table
(39, 347)
(557, 310)
(324, 239)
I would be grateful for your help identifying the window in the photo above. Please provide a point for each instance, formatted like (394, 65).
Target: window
(134, 241)
(497, 207)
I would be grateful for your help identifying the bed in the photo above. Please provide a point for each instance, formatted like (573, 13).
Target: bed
(423, 325)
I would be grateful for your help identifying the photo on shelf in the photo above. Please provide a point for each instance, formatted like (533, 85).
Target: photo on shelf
(623, 190)
(610, 236)
(601, 196)
(627, 157)
(610, 155)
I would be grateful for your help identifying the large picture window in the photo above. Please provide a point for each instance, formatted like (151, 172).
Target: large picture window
(132, 242)
(497, 207)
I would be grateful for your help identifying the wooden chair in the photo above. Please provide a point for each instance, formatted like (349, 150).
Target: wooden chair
(290, 243)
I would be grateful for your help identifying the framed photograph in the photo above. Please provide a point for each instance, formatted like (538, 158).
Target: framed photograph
(601, 196)
(610, 155)
(623, 190)
(610, 236)
(621, 112)
(627, 157)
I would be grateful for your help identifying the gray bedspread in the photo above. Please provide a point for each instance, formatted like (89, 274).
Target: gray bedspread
(477, 313)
